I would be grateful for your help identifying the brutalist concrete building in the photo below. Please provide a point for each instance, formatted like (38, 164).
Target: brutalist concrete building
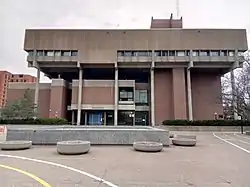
(130, 77)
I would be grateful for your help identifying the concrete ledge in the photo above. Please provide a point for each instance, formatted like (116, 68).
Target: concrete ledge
(15, 145)
(184, 142)
(121, 135)
(73, 147)
(148, 146)
(206, 128)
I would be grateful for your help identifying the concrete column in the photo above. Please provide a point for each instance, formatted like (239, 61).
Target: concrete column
(37, 89)
(116, 97)
(234, 103)
(152, 90)
(189, 93)
(79, 101)
(73, 117)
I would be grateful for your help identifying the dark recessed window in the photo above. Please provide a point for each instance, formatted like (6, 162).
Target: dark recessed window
(39, 53)
(66, 53)
(49, 53)
(74, 53)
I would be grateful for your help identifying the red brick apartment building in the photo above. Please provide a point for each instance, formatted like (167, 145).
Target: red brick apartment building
(131, 77)
(5, 78)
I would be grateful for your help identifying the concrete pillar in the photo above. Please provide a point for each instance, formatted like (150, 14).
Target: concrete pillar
(152, 91)
(73, 117)
(79, 101)
(189, 93)
(116, 97)
(234, 102)
(37, 89)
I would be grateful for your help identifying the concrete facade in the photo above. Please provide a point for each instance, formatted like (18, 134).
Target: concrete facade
(131, 77)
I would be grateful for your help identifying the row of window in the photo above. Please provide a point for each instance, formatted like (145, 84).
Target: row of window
(54, 53)
(127, 94)
(177, 53)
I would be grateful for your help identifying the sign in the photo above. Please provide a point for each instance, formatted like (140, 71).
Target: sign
(3, 133)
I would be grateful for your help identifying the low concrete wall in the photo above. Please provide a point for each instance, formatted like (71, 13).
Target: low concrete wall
(207, 128)
(96, 135)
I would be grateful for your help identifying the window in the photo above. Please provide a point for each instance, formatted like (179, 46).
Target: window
(157, 53)
(181, 53)
(195, 53)
(21, 75)
(120, 53)
(30, 53)
(164, 53)
(231, 53)
(65, 53)
(57, 53)
(204, 53)
(223, 53)
(127, 53)
(74, 53)
(49, 53)
(141, 96)
(215, 53)
(171, 53)
(126, 94)
(39, 53)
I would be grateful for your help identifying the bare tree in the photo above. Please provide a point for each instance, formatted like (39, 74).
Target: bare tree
(238, 94)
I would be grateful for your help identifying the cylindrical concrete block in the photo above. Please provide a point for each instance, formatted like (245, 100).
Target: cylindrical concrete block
(184, 142)
(185, 136)
(73, 147)
(15, 145)
(148, 146)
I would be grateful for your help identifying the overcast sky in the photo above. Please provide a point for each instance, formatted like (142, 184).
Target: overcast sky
(17, 15)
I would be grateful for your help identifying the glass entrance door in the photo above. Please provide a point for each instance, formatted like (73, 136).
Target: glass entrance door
(95, 118)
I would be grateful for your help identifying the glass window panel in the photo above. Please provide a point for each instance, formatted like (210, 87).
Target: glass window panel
(57, 53)
(127, 53)
(157, 53)
(231, 53)
(30, 53)
(180, 53)
(195, 53)
(171, 53)
(39, 53)
(130, 94)
(74, 53)
(66, 53)
(123, 94)
(215, 53)
(204, 53)
(120, 53)
(49, 53)
(164, 53)
(223, 53)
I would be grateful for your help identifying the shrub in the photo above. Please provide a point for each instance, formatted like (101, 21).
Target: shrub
(38, 121)
(206, 123)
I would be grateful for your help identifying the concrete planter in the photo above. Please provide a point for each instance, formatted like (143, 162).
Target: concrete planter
(15, 145)
(148, 146)
(73, 147)
(184, 136)
(184, 142)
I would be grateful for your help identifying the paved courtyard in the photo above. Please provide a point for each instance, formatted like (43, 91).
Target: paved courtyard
(218, 160)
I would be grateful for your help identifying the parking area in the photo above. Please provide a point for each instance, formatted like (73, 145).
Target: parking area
(218, 160)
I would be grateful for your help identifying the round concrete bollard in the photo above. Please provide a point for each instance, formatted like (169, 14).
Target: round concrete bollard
(15, 145)
(73, 147)
(184, 141)
(184, 136)
(247, 132)
(148, 146)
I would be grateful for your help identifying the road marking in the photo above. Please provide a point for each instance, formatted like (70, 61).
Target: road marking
(42, 182)
(243, 149)
(95, 178)
(242, 136)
